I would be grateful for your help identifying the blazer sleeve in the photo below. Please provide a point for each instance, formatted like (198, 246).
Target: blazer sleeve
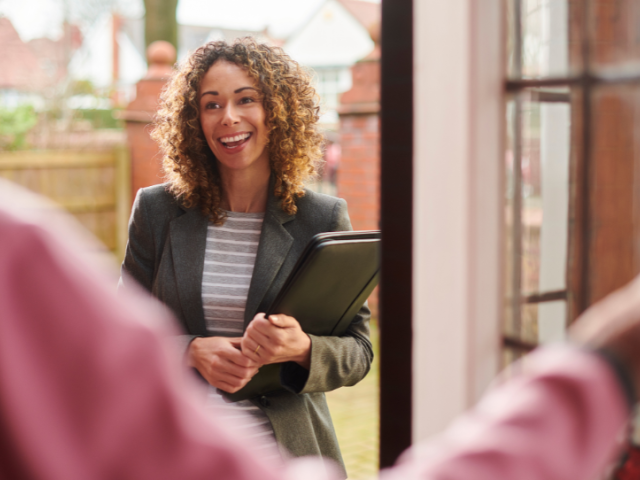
(139, 258)
(335, 361)
(141, 255)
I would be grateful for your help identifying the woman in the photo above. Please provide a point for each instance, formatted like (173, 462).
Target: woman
(237, 126)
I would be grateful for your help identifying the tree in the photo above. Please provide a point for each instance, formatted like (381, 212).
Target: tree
(160, 21)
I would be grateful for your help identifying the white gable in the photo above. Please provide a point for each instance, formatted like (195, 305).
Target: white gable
(333, 37)
(131, 65)
(94, 60)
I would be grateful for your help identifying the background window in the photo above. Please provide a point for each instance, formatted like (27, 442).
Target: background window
(571, 162)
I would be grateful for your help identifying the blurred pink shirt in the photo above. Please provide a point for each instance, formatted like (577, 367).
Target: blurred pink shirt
(91, 388)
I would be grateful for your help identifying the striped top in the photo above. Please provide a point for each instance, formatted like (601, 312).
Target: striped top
(228, 265)
(229, 259)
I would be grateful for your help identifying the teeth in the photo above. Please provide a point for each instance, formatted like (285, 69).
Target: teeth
(235, 138)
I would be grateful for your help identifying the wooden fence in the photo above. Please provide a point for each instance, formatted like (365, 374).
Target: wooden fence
(93, 186)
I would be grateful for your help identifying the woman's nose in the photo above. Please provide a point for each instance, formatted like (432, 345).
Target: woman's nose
(230, 115)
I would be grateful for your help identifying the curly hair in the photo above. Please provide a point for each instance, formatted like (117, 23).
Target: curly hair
(292, 112)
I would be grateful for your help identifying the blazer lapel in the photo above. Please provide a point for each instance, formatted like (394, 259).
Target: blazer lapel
(188, 235)
(275, 243)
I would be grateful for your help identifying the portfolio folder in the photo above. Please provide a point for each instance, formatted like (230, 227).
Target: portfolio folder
(330, 282)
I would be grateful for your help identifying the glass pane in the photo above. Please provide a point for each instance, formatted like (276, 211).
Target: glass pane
(552, 321)
(545, 190)
(615, 35)
(509, 356)
(545, 41)
(537, 201)
(511, 267)
(529, 331)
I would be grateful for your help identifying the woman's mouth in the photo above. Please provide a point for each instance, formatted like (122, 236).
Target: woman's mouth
(234, 141)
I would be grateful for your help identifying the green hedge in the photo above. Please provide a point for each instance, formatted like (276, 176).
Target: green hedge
(14, 125)
(100, 118)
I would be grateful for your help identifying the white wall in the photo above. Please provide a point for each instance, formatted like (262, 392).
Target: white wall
(458, 191)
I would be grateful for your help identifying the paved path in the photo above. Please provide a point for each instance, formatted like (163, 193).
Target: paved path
(355, 415)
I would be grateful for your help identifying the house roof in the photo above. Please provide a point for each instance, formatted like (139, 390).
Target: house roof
(36, 64)
(367, 13)
(19, 66)
(193, 36)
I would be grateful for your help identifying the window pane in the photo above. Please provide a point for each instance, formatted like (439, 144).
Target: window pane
(537, 201)
(529, 332)
(511, 255)
(540, 44)
(545, 190)
(552, 321)
(509, 356)
(615, 35)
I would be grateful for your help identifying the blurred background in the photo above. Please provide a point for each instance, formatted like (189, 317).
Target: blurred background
(79, 88)
(510, 162)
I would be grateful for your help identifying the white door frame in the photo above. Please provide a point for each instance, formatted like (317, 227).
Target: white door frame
(458, 206)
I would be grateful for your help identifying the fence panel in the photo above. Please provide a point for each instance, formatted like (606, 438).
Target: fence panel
(93, 186)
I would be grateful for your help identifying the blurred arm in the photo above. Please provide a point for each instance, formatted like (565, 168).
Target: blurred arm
(89, 388)
(558, 419)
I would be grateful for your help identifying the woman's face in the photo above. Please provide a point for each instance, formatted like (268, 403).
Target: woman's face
(232, 118)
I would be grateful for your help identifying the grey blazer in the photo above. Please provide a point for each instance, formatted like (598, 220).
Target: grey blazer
(165, 254)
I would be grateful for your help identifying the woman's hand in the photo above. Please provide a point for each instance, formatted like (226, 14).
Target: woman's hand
(221, 362)
(276, 339)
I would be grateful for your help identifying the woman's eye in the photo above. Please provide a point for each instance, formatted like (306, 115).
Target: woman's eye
(211, 105)
(247, 100)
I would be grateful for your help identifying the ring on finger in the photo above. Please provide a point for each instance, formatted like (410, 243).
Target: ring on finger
(255, 352)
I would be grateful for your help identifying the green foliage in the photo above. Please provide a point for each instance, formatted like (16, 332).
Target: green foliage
(100, 118)
(14, 126)
(81, 87)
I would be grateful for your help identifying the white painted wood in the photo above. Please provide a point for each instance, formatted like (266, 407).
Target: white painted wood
(458, 162)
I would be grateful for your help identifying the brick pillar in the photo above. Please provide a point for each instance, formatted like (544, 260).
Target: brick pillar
(146, 160)
(358, 179)
(358, 176)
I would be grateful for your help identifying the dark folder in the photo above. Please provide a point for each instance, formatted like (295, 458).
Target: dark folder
(330, 282)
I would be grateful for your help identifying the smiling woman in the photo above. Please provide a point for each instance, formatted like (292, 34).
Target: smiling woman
(275, 82)
(233, 122)
(237, 126)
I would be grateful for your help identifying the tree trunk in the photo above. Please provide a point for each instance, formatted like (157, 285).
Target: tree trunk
(160, 21)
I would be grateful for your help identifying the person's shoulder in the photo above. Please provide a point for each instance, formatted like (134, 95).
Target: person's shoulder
(322, 213)
(157, 200)
(157, 195)
(318, 202)
(158, 192)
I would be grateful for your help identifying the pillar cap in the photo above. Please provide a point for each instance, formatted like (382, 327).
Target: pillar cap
(161, 56)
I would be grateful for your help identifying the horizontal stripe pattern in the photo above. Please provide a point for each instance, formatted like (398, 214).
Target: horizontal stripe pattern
(229, 259)
(249, 420)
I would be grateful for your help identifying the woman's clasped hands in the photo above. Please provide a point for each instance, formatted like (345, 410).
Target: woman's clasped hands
(229, 363)
(276, 339)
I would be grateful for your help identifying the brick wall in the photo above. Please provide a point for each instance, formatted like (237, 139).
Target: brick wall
(358, 179)
(146, 160)
(358, 176)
